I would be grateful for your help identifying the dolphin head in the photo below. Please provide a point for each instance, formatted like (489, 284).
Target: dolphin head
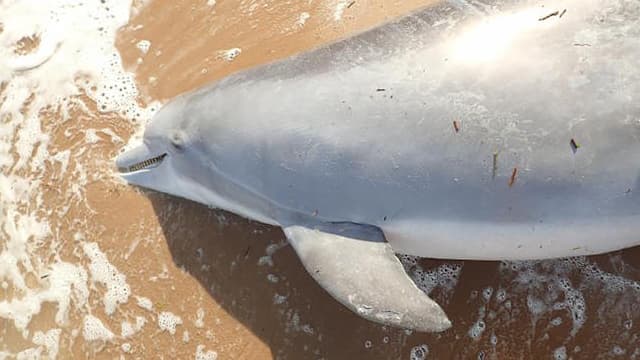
(167, 160)
(179, 153)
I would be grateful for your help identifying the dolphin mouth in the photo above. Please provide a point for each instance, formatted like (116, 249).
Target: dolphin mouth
(138, 159)
(142, 165)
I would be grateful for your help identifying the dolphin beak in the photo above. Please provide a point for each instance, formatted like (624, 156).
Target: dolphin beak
(138, 161)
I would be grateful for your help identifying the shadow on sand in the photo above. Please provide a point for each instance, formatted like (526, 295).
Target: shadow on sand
(298, 320)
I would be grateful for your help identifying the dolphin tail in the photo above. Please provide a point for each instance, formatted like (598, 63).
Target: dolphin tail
(355, 264)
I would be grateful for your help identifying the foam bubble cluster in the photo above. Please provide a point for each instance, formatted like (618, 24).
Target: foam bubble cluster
(51, 54)
(47, 344)
(167, 321)
(556, 291)
(93, 329)
(202, 355)
(63, 283)
(444, 276)
(103, 272)
(128, 329)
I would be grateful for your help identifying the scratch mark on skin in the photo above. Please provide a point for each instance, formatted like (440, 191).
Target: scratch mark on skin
(514, 175)
(494, 169)
(574, 145)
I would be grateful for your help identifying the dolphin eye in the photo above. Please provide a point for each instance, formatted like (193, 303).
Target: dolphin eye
(177, 140)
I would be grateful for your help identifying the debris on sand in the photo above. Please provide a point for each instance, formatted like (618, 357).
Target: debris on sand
(555, 13)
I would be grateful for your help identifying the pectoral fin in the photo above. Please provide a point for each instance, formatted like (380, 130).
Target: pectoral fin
(358, 268)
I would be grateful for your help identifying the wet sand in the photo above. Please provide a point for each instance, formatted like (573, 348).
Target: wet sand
(236, 285)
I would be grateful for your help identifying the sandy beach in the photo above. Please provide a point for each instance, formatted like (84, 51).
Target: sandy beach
(93, 268)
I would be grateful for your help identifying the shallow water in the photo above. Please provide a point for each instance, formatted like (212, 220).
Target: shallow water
(90, 267)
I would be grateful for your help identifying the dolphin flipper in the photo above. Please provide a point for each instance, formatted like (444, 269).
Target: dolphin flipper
(358, 268)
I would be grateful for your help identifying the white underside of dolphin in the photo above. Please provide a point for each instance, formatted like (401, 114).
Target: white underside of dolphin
(505, 131)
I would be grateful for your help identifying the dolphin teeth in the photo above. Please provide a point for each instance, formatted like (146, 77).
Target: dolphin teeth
(143, 164)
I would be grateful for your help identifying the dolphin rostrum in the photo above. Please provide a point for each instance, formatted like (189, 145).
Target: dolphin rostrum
(489, 129)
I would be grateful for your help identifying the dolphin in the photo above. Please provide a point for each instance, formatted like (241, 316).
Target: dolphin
(488, 129)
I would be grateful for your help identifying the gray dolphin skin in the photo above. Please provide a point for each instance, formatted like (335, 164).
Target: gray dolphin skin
(468, 130)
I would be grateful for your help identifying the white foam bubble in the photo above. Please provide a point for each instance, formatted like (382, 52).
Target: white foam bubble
(201, 354)
(93, 329)
(265, 261)
(230, 54)
(49, 340)
(444, 276)
(486, 293)
(340, 6)
(144, 303)
(493, 340)
(279, 299)
(271, 249)
(103, 272)
(74, 53)
(560, 353)
(128, 329)
(167, 321)
(476, 330)
(302, 19)
(143, 46)
(419, 352)
(199, 323)
(126, 347)
(30, 354)
(549, 286)
(536, 306)
(618, 351)
(64, 283)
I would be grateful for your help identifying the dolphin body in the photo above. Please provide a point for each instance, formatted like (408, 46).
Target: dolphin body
(468, 130)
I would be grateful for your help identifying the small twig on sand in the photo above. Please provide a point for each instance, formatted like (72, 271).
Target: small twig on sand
(555, 13)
